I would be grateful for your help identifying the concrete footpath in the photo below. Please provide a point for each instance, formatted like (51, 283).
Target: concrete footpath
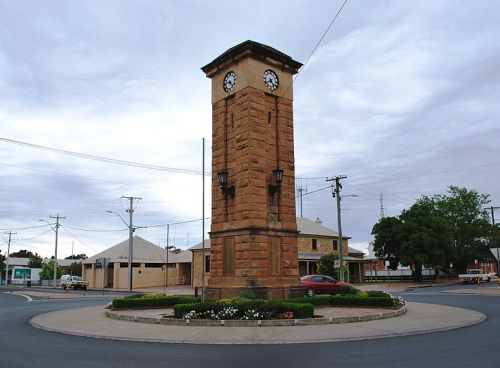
(92, 322)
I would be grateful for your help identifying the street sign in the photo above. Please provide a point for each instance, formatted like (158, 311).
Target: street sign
(22, 273)
(336, 263)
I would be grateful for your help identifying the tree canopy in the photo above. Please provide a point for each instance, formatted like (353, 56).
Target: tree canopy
(326, 266)
(78, 256)
(2, 261)
(436, 231)
(47, 272)
(35, 261)
(23, 253)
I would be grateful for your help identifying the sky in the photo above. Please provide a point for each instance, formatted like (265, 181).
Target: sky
(402, 97)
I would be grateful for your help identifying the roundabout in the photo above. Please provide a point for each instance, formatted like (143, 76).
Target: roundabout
(147, 326)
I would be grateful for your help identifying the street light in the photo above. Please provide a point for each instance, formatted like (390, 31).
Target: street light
(167, 249)
(130, 244)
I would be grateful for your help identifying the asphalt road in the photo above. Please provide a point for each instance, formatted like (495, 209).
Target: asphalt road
(476, 346)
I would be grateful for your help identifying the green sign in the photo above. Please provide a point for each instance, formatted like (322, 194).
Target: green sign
(22, 273)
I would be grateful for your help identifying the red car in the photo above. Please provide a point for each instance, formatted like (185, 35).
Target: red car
(320, 284)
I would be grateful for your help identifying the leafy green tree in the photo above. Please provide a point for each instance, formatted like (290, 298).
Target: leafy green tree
(75, 269)
(470, 228)
(47, 272)
(35, 261)
(326, 266)
(435, 231)
(387, 244)
(2, 261)
(419, 236)
(23, 253)
(78, 256)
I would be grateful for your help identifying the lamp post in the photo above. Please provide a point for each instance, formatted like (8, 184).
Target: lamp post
(131, 230)
(167, 249)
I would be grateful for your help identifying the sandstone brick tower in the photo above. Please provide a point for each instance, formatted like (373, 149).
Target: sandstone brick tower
(254, 230)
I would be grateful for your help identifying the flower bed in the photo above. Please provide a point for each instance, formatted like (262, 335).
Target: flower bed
(244, 309)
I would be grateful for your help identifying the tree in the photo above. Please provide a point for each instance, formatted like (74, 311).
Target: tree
(47, 272)
(326, 266)
(470, 228)
(75, 269)
(2, 261)
(22, 254)
(78, 256)
(35, 261)
(419, 236)
(435, 231)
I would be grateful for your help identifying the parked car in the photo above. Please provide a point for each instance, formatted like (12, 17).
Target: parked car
(73, 282)
(321, 284)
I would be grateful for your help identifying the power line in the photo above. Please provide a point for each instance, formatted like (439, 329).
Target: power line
(93, 230)
(315, 47)
(101, 158)
(25, 228)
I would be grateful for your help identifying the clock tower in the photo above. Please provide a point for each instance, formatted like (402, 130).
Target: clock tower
(254, 230)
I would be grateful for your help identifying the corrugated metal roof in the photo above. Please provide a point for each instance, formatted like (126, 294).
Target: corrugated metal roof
(144, 251)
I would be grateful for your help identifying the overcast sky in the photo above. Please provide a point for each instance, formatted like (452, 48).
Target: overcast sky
(403, 97)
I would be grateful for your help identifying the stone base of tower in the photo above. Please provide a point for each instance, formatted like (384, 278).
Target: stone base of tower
(261, 292)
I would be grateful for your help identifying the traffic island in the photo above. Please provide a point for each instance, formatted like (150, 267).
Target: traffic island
(92, 322)
(326, 315)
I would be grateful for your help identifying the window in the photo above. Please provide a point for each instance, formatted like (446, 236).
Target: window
(207, 264)
(335, 244)
(274, 256)
(314, 244)
(228, 256)
(153, 265)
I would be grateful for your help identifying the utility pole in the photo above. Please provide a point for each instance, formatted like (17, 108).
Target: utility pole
(130, 240)
(7, 258)
(301, 192)
(57, 217)
(336, 194)
(494, 236)
(203, 223)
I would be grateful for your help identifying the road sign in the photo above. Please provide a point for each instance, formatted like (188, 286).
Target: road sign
(22, 273)
(336, 263)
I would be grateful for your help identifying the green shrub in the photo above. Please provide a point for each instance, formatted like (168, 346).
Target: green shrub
(166, 301)
(153, 296)
(248, 294)
(350, 300)
(243, 309)
(348, 290)
(133, 296)
(378, 293)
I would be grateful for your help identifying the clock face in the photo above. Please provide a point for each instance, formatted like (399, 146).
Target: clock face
(271, 80)
(229, 81)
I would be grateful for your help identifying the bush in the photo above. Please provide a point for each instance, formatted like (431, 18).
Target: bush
(378, 293)
(140, 302)
(351, 300)
(244, 309)
(248, 294)
(133, 296)
(348, 290)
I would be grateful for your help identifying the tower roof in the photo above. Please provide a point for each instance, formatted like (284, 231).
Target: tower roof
(252, 49)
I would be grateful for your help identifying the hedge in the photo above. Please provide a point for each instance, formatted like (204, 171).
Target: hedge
(386, 301)
(166, 301)
(272, 309)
